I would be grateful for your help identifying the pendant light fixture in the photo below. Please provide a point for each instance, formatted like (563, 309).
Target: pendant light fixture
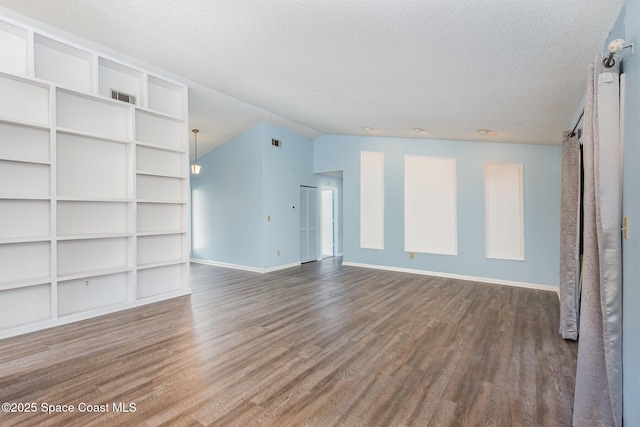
(195, 167)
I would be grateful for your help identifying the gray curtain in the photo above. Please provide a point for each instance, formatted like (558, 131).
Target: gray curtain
(598, 396)
(570, 237)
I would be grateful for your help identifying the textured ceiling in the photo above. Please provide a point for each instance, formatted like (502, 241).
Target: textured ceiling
(451, 67)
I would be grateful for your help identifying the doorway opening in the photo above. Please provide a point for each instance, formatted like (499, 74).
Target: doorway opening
(328, 223)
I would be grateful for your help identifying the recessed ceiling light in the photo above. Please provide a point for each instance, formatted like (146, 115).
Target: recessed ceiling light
(367, 128)
(418, 130)
(484, 132)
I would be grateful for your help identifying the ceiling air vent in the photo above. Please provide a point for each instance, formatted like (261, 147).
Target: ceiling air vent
(276, 143)
(124, 97)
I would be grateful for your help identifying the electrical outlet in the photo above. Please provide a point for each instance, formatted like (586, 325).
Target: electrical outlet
(269, 218)
(86, 283)
(411, 255)
(278, 252)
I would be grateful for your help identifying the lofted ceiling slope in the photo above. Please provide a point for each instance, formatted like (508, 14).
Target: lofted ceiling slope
(450, 67)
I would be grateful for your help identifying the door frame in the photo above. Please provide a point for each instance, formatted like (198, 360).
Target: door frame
(316, 229)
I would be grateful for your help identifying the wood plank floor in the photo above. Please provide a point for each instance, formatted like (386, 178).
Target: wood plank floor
(318, 344)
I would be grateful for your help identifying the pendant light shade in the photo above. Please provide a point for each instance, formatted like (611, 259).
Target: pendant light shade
(195, 167)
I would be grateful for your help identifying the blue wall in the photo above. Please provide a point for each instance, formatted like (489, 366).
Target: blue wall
(541, 192)
(628, 27)
(285, 169)
(242, 199)
(227, 202)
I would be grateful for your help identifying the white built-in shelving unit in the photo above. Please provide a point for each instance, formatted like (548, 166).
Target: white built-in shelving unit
(94, 201)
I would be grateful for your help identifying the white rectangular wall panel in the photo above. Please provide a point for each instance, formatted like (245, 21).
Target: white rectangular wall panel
(165, 97)
(24, 180)
(24, 143)
(158, 130)
(430, 205)
(371, 200)
(81, 256)
(95, 117)
(63, 64)
(161, 162)
(22, 101)
(14, 52)
(90, 167)
(156, 249)
(24, 218)
(89, 293)
(159, 280)
(25, 261)
(504, 210)
(159, 188)
(90, 218)
(24, 305)
(154, 217)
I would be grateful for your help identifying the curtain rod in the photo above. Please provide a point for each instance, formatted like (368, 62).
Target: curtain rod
(573, 132)
(614, 47)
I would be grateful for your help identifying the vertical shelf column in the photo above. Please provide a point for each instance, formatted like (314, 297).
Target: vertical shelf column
(161, 204)
(25, 193)
(93, 189)
(162, 191)
(53, 207)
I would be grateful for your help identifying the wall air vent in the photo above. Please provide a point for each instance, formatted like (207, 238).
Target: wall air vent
(124, 97)
(276, 143)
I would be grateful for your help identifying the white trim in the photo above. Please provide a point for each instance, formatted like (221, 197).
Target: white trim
(280, 267)
(550, 288)
(339, 254)
(227, 265)
(244, 267)
(90, 314)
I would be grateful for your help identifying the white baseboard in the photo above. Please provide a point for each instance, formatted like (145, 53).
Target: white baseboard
(280, 267)
(244, 267)
(541, 287)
